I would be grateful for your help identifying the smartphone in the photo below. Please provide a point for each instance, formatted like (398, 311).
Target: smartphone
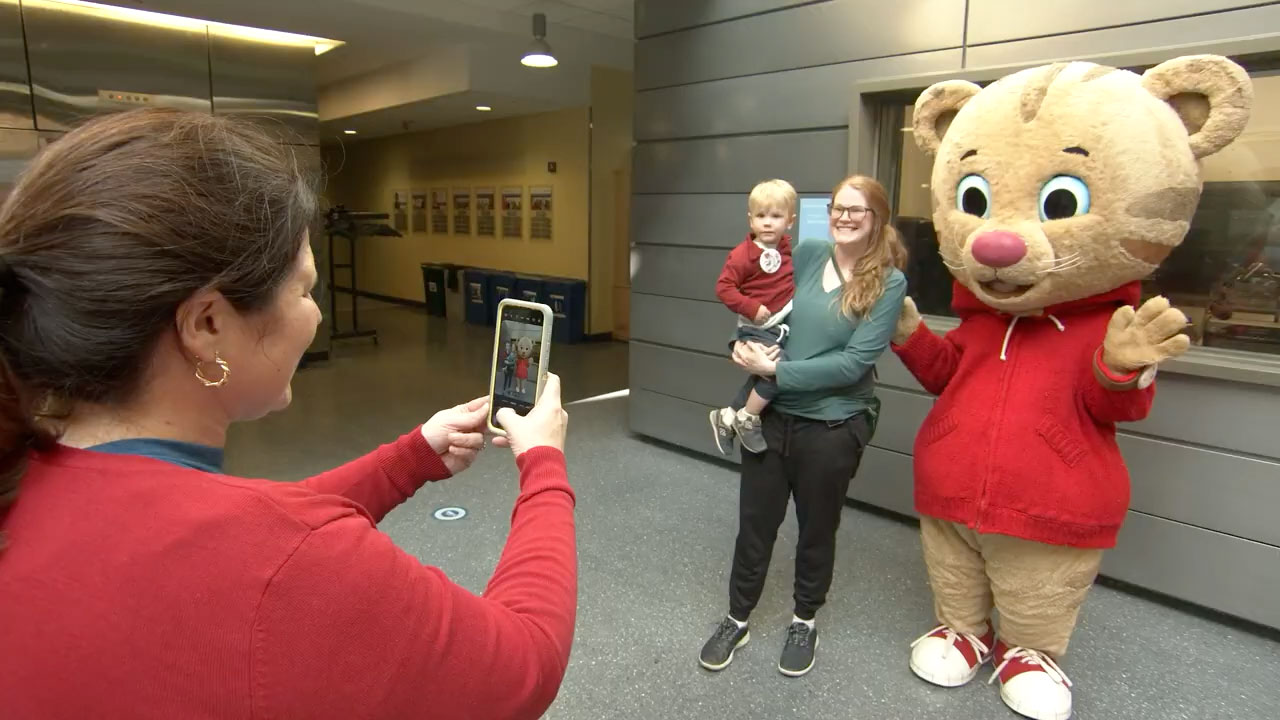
(521, 350)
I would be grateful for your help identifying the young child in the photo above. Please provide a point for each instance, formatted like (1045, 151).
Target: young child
(757, 284)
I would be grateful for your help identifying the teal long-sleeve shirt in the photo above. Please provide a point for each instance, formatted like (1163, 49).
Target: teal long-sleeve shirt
(827, 373)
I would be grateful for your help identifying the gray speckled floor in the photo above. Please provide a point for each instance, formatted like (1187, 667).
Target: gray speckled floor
(656, 529)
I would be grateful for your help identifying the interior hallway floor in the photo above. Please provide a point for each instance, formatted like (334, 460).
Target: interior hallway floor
(655, 536)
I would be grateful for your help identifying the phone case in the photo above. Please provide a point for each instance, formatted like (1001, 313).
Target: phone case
(544, 353)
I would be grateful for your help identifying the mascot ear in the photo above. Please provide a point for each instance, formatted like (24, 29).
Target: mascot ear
(1211, 94)
(936, 108)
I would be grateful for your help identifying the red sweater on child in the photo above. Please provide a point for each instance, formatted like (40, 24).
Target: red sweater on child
(744, 286)
(135, 588)
(1024, 446)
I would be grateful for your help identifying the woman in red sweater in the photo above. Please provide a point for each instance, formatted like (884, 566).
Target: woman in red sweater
(155, 286)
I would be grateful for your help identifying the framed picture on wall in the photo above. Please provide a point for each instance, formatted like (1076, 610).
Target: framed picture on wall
(513, 212)
(400, 210)
(418, 216)
(462, 211)
(439, 211)
(540, 207)
(486, 222)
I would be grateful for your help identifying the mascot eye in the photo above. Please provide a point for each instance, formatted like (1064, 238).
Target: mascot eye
(973, 196)
(1062, 197)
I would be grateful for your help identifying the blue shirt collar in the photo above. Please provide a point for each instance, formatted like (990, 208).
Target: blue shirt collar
(185, 454)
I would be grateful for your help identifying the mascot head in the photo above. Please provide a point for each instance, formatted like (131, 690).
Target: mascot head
(524, 347)
(1066, 181)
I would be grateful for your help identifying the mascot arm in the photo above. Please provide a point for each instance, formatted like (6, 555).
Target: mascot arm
(1111, 398)
(1124, 367)
(931, 359)
(846, 366)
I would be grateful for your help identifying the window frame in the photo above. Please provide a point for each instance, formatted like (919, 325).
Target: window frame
(871, 120)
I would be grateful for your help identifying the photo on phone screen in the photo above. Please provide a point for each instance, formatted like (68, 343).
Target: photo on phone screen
(520, 337)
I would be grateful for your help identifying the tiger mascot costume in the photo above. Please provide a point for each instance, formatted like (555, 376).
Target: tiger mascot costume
(1055, 191)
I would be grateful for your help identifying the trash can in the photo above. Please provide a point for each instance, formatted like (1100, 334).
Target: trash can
(452, 276)
(530, 288)
(476, 288)
(501, 285)
(568, 299)
(455, 299)
(434, 283)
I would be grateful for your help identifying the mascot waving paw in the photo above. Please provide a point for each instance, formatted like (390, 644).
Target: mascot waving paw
(1055, 191)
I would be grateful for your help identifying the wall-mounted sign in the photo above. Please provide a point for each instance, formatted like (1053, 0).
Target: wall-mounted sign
(486, 221)
(512, 212)
(400, 210)
(440, 211)
(418, 216)
(540, 212)
(811, 223)
(462, 211)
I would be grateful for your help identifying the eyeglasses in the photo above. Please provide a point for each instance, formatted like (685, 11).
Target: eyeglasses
(854, 211)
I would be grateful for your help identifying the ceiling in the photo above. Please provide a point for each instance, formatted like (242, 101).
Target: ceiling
(382, 33)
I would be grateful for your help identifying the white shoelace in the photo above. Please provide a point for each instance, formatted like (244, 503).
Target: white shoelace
(951, 636)
(1032, 657)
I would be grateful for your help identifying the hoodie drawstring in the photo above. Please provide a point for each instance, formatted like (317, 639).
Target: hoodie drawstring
(1004, 347)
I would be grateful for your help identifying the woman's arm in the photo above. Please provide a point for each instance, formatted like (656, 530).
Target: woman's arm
(866, 345)
(350, 625)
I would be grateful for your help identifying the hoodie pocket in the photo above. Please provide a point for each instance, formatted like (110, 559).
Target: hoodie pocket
(1061, 441)
(939, 428)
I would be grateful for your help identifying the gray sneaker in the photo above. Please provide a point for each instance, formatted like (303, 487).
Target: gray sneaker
(750, 432)
(722, 431)
(797, 653)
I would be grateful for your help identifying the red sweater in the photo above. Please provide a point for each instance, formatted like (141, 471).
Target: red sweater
(1024, 446)
(133, 588)
(744, 286)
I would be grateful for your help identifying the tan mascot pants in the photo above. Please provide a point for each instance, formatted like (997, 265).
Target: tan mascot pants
(1037, 588)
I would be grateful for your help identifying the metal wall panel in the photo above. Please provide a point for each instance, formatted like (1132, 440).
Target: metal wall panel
(660, 16)
(1215, 413)
(1209, 489)
(16, 148)
(811, 161)
(796, 99)
(274, 84)
(677, 271)
(1094, 45)
(706, 379)
(1212, 569)
(692, 324)
(892, 373)
(673, 420)
(1001, 20)
(884, 480)
(703, 220)
(799, 37)
(901, 416)
(15, 90)
(76, 53)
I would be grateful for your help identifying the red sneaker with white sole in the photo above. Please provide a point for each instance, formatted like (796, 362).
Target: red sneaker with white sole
(1031, 683)
(949, 658)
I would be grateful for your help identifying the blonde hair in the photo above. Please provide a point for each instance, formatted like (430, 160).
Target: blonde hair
(772, 194)
(884, 249)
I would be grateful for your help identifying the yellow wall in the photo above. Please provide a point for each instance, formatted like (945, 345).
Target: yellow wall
(612, 93)
(363, 175)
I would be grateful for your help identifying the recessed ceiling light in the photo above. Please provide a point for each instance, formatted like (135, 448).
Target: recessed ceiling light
(349, 132)
(483, 108)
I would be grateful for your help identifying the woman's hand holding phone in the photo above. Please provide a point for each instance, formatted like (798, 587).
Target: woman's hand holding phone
(544, 426)
(456, 433)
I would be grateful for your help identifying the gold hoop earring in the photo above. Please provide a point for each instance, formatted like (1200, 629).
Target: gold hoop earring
(222, 364)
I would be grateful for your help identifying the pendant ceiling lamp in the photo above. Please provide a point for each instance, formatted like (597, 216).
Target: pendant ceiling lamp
(539, 53)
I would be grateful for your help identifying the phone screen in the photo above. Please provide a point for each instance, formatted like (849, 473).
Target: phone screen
(515, 378)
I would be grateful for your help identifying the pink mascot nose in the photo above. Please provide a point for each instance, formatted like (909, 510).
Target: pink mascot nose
(999, 249)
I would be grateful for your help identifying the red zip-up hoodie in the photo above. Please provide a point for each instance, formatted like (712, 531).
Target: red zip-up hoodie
(1021, 441)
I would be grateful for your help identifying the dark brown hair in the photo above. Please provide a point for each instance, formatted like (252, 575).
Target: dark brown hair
(108, 231)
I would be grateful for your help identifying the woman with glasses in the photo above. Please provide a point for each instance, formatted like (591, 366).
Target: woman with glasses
(847, 299)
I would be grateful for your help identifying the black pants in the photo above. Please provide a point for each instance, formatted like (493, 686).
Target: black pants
(812, 460)
(765, 387)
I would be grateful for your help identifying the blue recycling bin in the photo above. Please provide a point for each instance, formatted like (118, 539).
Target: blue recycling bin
(529, 288)
(568, 300)
(476, 287)
(434, 285)
(501, 285)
